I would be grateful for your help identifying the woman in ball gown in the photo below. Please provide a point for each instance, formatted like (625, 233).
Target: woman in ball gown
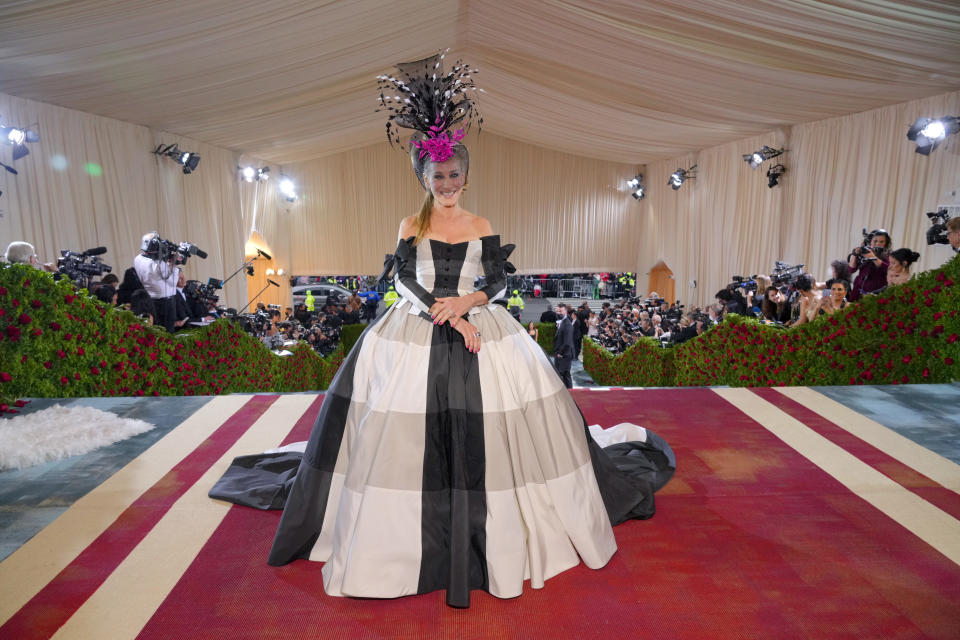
(447, 453)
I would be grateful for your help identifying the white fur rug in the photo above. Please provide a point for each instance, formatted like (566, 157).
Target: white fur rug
(60, 432)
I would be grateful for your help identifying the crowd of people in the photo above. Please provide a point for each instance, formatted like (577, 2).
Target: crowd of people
(158, 293)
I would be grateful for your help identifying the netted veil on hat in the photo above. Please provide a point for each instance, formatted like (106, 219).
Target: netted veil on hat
(422, 97)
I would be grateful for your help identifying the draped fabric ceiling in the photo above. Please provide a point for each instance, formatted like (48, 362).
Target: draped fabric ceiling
(580, 95)
(627, 81)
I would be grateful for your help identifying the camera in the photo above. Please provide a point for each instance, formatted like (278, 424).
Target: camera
(156, 248)
(865, 247)
(82, 267)
(203, 293)
(747, 283)
(937, 233)
(785, 274)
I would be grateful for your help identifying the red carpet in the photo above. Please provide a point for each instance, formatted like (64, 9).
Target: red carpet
(751, 540)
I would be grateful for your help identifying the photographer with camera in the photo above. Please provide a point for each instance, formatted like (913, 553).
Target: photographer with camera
(157, 268)
(871, 260)
(158, 275)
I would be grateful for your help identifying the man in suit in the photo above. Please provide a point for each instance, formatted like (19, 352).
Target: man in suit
(563, 348)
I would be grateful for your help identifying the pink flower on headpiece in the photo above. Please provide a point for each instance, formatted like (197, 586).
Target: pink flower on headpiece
(439, 145)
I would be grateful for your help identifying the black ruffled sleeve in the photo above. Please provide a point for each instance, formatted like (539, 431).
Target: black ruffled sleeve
(493, 260)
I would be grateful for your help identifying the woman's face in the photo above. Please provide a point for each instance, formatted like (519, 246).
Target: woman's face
(838, 291)
(895, 265)
(445, 180)
(774, 296)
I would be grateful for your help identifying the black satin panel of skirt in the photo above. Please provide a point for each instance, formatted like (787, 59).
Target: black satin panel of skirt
(454, 493)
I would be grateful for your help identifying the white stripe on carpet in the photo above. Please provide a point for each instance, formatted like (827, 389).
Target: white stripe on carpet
(125, 602)
(939, 469)
(28, 569)
(929, 523)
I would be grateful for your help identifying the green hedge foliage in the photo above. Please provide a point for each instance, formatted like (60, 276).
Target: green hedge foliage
(906, 334)
(57, 342)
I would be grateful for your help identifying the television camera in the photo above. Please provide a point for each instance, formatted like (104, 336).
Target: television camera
(82, 267)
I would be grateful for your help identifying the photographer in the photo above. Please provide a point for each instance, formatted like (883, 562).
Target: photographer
(870, 259)
(159, 279)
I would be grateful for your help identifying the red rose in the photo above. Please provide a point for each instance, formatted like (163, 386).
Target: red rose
(94, 371)
(952, 338)
(3, 291)
(62, 354)
(926, 373)
(5, 377)
(80, 351)
(36, 332)
(13, 333)
(24, 319)
(64, 380)
(55, 326)
(20, 403)
(48, 364)
(907, 359)
(948, 360)
(36, 304)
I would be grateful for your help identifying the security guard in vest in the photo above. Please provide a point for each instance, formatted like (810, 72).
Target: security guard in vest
(390, 297)
(309, 301)
(515, 305)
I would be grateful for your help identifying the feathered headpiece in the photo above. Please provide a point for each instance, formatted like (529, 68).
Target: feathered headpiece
(424, 98)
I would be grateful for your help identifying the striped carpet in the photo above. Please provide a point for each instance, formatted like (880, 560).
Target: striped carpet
(791, 516)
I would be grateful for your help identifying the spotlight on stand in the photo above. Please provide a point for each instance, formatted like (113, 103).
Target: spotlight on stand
(637, 187)
(928, 133)
(757, 158)
(288, 189)
(187, 159)
(774, 174)
(19, 139)
(678, 177)
(254, 174)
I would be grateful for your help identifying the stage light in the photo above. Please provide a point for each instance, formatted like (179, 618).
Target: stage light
(288, 189)
(928, 133)
(279, 272)
(774, 174)
(269, 271)
(678, 177)
(636, 186)
(19, 138)
(187, 159)
(757, 158)
(251, 174)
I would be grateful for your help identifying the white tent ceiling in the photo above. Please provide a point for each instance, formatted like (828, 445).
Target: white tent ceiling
(629, 81)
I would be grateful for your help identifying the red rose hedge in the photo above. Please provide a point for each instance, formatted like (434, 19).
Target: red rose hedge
(906, 334)
(56, 343)
(71, 345)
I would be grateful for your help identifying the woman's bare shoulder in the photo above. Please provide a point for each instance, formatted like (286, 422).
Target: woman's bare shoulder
(408, 227)
(481, 225)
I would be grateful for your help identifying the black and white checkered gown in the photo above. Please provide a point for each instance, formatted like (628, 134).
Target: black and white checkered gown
(431, 467)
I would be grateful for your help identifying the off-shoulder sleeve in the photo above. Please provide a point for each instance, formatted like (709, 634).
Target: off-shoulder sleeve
(493, 259)
(405, 279)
